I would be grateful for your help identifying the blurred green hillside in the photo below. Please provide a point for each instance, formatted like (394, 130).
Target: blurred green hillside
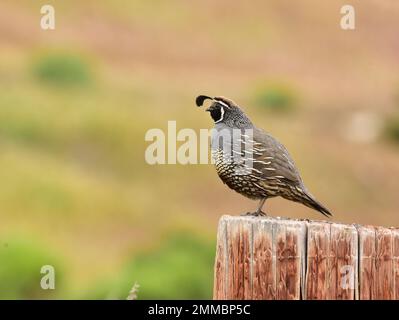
(76, 102)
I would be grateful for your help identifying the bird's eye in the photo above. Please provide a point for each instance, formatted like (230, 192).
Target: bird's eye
(217, 114)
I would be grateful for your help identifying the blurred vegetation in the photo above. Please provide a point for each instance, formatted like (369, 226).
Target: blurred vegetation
(392, 128)
(276, 97)
(392, 122)
(20, 265)
(181, 268)
(62, 69)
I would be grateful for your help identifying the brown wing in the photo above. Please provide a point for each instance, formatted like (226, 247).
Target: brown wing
(272, 160)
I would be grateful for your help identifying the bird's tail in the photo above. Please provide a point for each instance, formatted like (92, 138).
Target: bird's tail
(308, 200)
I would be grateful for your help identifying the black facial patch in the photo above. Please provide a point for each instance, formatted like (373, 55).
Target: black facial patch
(216, 114)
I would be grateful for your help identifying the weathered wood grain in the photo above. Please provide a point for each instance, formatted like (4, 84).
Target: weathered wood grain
(377, 263)
(343, 262)
(366, 262)
(395, 234)
(239, 235)
(263, 258)
(220, 283)
(270, 258)
(331, 261)
(289, 237)
(384, 282)
(316, 284)
(264, 264)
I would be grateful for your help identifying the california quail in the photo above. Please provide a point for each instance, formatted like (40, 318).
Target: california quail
(252, 162)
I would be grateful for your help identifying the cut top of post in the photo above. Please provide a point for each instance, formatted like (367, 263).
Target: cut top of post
(272, 258)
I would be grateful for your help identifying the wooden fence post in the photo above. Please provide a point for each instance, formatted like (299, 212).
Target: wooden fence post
(332, 261)
(379, 268)
(271, 258)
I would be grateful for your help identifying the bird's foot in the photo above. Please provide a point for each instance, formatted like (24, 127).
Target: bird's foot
(255, 214)
(261, 214)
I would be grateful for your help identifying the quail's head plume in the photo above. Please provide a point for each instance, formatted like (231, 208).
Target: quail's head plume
(252, 162)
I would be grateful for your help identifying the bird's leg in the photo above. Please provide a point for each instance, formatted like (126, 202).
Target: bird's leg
(258, 211)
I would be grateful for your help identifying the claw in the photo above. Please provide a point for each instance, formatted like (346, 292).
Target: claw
(254, 214)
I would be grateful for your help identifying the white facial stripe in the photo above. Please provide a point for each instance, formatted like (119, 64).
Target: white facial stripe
(221, 115)
(223, 104)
